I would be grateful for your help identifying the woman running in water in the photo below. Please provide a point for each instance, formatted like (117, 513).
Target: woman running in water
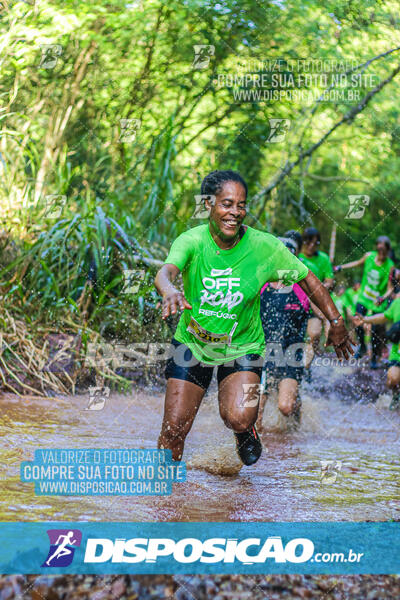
(284, 316)
(375, 286)
(392, 315)
(224, 266)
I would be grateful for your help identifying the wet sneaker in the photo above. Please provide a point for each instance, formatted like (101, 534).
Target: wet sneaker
(395, 404)
(361, 350)
(248, 446)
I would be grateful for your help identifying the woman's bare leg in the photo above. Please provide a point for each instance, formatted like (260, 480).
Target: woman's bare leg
(393, 378)
(182, 401)
(237, 410)
(393, 383)
(287, 396)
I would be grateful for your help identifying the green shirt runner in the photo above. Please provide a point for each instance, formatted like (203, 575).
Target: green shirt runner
(319, 264)
(350, 300)
(374, 282)
(393, 314)
(223, 288)
(340, 305)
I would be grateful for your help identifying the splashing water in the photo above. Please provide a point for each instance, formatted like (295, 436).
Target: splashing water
(346, 432)
(221, 460)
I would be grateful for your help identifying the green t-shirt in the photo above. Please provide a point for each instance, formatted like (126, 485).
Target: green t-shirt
(374, 282)
(339, 303)
(349, 300)
(319, 264)
(223, 288)
(393, 314)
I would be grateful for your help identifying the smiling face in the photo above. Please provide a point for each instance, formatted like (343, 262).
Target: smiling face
(228, 211)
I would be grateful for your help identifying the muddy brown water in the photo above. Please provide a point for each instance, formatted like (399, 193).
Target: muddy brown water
(346, 424)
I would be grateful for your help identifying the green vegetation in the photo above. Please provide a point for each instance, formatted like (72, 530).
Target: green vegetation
(116, 123)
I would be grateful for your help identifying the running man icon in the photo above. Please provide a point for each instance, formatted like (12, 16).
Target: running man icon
(62, 546)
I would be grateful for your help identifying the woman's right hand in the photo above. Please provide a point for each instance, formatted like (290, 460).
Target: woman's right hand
(358, 320)
(172, 300)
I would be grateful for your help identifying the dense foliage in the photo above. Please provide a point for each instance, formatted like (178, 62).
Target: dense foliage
(109, 111)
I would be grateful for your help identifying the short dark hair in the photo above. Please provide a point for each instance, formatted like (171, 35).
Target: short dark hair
(290, 244)
(383, 239)
(294, 235)
(310, 233)
(214, 181)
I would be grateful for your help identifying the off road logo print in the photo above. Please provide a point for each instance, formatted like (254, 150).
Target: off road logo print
(220, 289)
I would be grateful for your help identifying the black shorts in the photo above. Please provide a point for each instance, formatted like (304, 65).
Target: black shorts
(393, 363)
(184, 365)
(312, 315)
(291, 367)
(273, 375)
(361, 309)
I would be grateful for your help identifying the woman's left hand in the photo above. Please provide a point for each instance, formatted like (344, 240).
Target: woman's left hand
(339, 338)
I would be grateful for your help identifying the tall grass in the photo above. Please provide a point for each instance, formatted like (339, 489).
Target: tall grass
(74, 272)
(66, 273)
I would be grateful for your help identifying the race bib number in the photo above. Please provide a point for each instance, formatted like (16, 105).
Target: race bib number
(370, 293)
(208, 336)
(370, 290)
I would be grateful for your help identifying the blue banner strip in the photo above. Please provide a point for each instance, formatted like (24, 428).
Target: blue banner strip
(100, 548)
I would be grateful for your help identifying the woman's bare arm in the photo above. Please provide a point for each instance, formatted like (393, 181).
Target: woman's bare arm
(378, 319)
(316, 311)
(354, 263)
(389, 290)
(338, 335)
(172, 297)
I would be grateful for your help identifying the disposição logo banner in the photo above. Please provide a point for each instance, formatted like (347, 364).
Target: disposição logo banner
(62, 547)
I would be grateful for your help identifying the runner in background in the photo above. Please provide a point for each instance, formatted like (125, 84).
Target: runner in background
(318, 262)
(375, 287)
(392, 314)
(297, 237)
(393, 284)
(339, 300)
(349, 300)
(224, 265)
(350, 297)
(284, 315)
(394, 280)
